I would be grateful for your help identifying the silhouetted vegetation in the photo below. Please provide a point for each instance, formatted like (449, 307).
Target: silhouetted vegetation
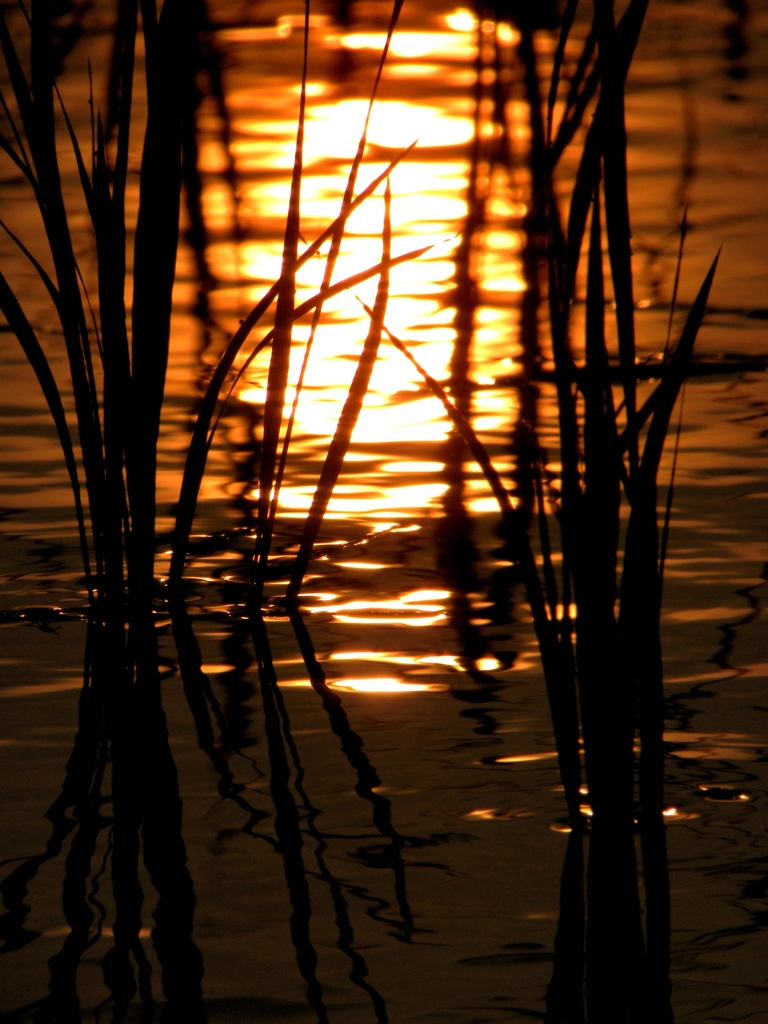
(597, 624)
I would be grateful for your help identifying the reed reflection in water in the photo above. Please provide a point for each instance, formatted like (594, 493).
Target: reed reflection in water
(471, 309)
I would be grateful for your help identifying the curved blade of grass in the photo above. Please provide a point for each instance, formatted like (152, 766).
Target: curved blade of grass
(85, 181)
(577, 83)
(565, 30)
(50, 287)
(27, 168)
(241, 335)
(476, 447)
(670, 497)
(602, 460)
(673, 300)
(352, 406)
(11, 152)
(198, 449)
(669, 387)
(574, 114)
(21, 327)
(91, 311)
(676, 370)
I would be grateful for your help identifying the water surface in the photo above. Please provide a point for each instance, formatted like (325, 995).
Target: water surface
(448, 913)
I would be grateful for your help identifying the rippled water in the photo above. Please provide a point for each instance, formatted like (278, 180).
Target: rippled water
(410, 608)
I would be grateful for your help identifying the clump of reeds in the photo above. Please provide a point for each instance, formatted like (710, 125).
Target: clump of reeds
(603, 668)
(118, 361)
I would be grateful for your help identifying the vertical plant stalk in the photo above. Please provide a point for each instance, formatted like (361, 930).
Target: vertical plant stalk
(670, 497)
(330, 261)
(277, 380)
(614, 935)
(614, 147)
(169, 42)
(641, 642)
(352, 406)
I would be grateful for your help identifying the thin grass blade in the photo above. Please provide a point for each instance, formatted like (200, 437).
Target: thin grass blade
(11, 152)
(674, 376)
(277, 379)
(19, 82)
(85, 181)
(21, 327)
(565, 30)
(676, 284)
(17, 136)
(349, 416)
(330, 263)
(670, 497)
(575, 111)
(50, 287)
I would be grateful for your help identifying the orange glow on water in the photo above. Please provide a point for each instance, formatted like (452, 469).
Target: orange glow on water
(382, 685)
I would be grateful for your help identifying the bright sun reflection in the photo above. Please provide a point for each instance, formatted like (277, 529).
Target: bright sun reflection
(448, 45)
(462, 20)
(380, 685)
(394, 471)
(417, 608)
(520, 758)
(394, 123)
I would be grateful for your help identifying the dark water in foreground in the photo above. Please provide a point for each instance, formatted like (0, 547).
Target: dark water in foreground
(434, 894)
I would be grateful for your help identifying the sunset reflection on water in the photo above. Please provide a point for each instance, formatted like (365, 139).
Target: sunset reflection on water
(430, 203)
